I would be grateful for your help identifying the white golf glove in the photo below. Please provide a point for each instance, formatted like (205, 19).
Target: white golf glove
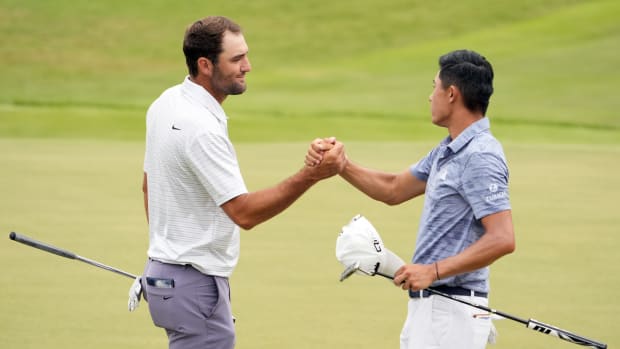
(359, 242)
(134, 294)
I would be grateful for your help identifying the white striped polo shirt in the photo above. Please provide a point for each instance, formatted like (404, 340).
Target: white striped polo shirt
(191, 169)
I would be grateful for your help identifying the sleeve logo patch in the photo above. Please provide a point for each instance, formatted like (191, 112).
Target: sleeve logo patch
(495, 195)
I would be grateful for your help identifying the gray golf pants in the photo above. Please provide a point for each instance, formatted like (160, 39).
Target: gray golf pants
(194, 309)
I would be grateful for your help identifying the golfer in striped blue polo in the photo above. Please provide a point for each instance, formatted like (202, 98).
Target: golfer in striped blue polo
(466, 223)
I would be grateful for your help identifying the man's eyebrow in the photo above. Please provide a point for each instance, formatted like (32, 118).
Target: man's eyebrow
(240, 55)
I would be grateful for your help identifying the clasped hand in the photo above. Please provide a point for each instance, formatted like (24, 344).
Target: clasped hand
(326, 157)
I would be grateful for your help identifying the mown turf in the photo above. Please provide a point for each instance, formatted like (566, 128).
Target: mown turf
(555, 62)
(85, 196)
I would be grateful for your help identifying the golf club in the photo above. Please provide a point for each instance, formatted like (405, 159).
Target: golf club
(530, 323)
(64, 253)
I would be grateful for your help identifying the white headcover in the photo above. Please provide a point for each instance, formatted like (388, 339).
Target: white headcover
(360, 242)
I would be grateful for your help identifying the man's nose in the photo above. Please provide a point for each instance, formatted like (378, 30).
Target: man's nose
(246, 66)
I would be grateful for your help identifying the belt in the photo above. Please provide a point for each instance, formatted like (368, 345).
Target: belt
(449, 290)
(183, 265)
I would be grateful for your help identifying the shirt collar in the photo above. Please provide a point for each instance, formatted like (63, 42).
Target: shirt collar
(202, 96)
(470, 132)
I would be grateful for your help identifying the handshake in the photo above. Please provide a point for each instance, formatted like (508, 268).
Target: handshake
(325, 158)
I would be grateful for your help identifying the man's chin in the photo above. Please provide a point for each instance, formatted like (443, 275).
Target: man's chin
(237, 89)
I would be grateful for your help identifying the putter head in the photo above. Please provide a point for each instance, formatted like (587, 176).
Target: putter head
(350, 270)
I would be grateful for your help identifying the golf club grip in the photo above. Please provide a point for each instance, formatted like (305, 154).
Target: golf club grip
(563, 334)
(41, 245)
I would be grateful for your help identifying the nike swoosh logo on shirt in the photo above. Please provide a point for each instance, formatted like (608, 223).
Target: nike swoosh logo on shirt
(175, 128)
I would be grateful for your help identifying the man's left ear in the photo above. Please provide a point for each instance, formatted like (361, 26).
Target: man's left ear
(453, 91)
(205, 65)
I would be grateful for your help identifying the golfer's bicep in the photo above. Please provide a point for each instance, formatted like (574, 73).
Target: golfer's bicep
(407, 186)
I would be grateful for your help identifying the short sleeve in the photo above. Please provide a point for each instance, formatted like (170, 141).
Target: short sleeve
(422, 168)
(214, 162)
(485, 184)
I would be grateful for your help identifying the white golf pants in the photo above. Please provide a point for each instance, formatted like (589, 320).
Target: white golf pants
(437, 322)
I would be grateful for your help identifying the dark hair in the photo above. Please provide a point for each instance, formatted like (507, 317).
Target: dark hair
(472, 74)
(204, 39)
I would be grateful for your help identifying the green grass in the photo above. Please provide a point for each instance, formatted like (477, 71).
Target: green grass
(93, 63)
(85, 196)
(77, 77)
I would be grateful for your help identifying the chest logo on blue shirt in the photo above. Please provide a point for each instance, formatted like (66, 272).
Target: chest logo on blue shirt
(443, 174)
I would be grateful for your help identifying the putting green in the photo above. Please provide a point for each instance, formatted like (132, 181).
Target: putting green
(85, 196)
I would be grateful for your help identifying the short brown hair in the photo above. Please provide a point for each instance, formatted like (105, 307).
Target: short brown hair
(204, 39)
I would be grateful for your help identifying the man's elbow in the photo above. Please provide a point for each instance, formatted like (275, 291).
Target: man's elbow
(502, 245)
(238, 211)
(245, 224)
(392, 201)
(508, 245)
(243, 221)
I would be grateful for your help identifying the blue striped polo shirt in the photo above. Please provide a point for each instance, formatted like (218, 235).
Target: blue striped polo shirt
(466, 180)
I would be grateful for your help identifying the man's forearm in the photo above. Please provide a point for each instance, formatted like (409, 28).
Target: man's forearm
(389, 188)
(495, 243)
(253, 208)
(369, 182)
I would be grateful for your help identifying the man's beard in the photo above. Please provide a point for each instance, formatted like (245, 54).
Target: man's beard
(235, 88)
(225, 86)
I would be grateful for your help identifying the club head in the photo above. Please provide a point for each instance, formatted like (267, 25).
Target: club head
(350, 270)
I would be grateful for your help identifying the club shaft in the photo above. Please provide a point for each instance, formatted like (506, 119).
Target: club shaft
(478, 306)
(65, 253)
(563, 334)
(531, 323)
(106, 267)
